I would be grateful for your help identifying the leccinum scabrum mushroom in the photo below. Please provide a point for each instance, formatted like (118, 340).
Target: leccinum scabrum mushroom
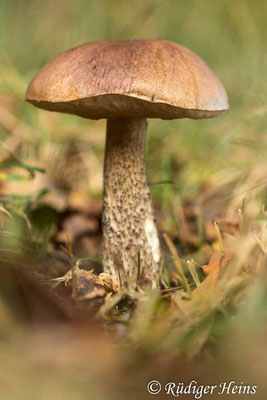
(128, 82)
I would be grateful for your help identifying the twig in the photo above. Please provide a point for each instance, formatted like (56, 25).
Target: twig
(264, 228)
(261, 247)
(177, 261)
(193, 271)
(221, 245)
(219, 236)
(242, 216)
(74, 267)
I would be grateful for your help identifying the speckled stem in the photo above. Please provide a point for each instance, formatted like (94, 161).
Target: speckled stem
(129, 231)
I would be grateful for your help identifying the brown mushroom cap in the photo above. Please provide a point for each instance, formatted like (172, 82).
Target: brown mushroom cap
(139, 78)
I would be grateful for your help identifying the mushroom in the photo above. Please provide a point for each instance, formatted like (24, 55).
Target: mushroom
(128, 82)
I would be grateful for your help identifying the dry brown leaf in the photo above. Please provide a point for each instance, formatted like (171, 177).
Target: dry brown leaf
(217, 261)
(88, 284)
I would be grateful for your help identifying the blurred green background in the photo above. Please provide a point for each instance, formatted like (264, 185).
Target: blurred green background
(212, 165)
(229, 35)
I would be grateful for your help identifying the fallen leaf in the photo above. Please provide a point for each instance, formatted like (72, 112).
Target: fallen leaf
(217, 261)
(88, 284)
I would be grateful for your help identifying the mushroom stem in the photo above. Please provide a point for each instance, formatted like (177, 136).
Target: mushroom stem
(131, 252)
